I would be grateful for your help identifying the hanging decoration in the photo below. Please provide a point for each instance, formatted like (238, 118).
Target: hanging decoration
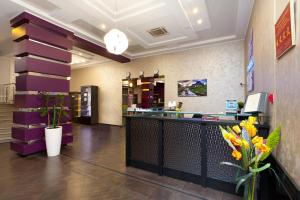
(116, 41)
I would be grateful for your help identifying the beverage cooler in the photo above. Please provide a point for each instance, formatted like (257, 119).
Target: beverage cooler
(89, 105)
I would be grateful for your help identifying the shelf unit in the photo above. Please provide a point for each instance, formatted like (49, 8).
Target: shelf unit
(75, 105)
(89, 105)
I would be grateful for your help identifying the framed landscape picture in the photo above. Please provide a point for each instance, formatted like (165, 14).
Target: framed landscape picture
(192, 88)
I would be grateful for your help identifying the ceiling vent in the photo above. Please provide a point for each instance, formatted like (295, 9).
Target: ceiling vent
(157, 32)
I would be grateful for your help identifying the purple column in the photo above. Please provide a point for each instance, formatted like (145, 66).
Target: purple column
(43, 64)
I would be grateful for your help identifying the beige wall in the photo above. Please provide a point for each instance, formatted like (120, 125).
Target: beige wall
(221, 64)
(281, 77)
(6, 70)
(7, 74)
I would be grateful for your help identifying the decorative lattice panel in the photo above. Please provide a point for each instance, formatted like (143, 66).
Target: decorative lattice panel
(144, 140)
(182, 146)
(217, 152)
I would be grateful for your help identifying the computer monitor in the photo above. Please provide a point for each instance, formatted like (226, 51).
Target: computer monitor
(256, 103)
(231, 106)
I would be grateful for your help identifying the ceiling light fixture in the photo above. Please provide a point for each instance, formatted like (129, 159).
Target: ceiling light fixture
(103, 26)
(116, 41)
(195, 10)
(199, 21)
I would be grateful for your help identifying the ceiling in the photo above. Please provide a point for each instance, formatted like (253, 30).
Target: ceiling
(189, 23)
(82, 58)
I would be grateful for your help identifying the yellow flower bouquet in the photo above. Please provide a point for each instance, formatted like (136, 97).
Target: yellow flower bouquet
(250, 150)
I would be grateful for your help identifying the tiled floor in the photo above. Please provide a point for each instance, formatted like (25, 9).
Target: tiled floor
(93, 167)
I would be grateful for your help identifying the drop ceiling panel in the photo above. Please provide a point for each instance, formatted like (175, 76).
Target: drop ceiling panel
(220, 20)
(79, 23)
(44, 5)
(175, 33)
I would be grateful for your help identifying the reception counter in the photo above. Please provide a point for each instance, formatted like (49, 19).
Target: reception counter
(184, 148)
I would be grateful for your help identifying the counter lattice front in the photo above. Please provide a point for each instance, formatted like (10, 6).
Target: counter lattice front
(186, 149)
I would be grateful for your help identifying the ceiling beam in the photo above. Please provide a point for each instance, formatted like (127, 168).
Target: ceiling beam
(97, 49)
(28, 18)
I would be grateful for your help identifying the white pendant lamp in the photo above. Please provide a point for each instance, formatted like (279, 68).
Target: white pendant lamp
(116, 41)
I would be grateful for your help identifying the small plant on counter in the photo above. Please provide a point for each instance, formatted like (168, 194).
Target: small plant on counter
(250, 150)
(241, 105)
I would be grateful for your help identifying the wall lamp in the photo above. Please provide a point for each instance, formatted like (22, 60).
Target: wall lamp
(156, 73)
(141, 74)
(128, 75)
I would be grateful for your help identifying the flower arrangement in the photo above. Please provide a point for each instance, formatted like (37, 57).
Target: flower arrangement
(250, 150)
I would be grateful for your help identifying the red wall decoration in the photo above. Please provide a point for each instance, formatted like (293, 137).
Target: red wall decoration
(285, 30)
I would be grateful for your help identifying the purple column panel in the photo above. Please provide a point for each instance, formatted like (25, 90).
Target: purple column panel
(26, 149)
(34, 101)
(27, 118)
(66, 139)
(35, 36)
(28, 64)
(26, 135)
(42, 35)
(42, 84)
(29, 18)
(26, 47)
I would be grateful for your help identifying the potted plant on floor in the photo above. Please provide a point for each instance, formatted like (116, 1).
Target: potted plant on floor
(54, 110)
(251, 151)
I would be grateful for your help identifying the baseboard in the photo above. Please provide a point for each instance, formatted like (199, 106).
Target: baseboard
(5, 141)
(285, 189)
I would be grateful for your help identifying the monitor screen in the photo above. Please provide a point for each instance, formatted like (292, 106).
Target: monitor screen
(231, 105)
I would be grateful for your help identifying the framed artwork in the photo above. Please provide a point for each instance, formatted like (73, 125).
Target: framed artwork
(250, 75)
(285, 30)
(250, 67)
(192, 88)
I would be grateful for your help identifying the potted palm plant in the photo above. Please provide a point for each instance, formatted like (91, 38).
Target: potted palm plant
(54, 110)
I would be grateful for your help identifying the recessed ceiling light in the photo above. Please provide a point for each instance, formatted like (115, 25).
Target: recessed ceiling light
(80, 53)
(199, 21)
(195, 10)
(103, 26)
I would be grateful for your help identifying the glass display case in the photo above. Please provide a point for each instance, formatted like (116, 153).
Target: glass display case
(75, 98)
(196, 115)
(89, 105)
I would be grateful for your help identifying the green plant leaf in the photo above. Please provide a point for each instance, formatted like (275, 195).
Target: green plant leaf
(245, 160)
(229, 129)
(231, 165)
(272, 141)
(223, 131)
(43, 112)
(242, 180)
(257, 170)
(54, 125)
(65, 113)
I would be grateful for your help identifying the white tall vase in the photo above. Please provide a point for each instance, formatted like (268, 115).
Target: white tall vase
(53, 140)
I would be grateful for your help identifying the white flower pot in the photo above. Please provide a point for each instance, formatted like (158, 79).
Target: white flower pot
(53, 140)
